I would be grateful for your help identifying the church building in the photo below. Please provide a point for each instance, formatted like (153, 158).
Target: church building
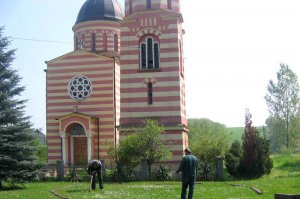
(126, 66)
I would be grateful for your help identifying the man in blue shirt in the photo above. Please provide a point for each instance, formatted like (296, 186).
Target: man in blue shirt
(189, 170)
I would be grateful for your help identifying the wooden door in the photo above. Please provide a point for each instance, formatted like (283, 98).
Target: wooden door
(80, 150)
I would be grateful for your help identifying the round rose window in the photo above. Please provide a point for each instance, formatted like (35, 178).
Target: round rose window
(80, 88)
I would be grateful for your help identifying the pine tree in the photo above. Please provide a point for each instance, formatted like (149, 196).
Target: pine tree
(17, 160)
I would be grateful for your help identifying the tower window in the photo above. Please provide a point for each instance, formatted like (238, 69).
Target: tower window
(150, 93)
(93, 42)
(116, 43)
(130, 6)
(149, 54)
(170, 4)
(156, 56)
(143, 56)
(148, 4)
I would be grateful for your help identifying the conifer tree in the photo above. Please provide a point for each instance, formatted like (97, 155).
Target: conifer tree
(17, 160)
(249, 164)
(256, 159)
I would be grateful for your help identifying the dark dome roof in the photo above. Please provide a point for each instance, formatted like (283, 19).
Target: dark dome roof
(100, 10)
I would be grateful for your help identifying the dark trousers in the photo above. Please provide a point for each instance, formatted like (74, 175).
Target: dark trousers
(100, 179)
(188, 182)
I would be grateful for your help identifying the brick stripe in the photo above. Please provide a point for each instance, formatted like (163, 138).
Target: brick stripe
(80, 63)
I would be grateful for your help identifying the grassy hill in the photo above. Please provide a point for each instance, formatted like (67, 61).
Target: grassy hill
(236, 133)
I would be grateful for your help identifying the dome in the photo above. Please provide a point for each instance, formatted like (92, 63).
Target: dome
(100, 10)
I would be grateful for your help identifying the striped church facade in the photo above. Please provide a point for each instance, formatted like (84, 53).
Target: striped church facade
(119, 74)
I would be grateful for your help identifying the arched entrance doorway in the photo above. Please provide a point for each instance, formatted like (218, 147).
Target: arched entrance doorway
(79, 144)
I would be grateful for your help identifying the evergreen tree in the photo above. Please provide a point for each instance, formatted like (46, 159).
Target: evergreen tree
(249, 164)
(233, 158)
(252, 159)
(17, 161)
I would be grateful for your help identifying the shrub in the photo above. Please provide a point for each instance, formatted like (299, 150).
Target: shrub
(163, 173)
(233, 158)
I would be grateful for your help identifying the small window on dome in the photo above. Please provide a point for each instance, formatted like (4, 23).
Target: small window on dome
(93, 42)
(105, 42)
(76, 43)
(148, 4)
(116, 43)
(130, 6)
(170, 4)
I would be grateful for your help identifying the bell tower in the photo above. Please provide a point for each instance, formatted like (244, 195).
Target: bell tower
(152, 70)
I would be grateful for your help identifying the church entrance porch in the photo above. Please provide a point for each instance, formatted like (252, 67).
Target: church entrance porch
(76, 138)
(80, 150)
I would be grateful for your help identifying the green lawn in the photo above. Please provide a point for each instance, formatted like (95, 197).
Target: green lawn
(285, 178)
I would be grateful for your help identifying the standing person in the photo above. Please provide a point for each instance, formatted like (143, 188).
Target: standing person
(189, 170)
(95, 167)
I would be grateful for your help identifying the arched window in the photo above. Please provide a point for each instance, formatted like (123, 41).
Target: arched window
(156, 56)
(143, 56)
(77, 129)
(105, 42)
(116, 43)
(150, 92)
(93, 42)
(149, 53)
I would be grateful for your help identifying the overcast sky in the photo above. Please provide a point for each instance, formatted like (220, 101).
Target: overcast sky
(232, 49)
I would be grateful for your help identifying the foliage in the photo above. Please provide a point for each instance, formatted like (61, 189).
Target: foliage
(152, 144)
(249, 164)
(17, 153)
(41, 153)
(253, 159)
(275, 133)
(145, 144)
(40, 146)
(284, 107)
(207, 140)
(233, 158)
(163, 173)
(124, 163)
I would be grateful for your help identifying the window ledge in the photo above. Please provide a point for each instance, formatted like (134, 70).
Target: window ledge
(148, 70)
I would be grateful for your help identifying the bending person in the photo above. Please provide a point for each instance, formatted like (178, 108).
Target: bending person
(95, 167)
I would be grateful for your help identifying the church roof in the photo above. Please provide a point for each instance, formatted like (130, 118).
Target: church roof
(100, 10)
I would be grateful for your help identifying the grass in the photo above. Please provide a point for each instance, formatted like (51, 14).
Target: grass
(284, 178)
